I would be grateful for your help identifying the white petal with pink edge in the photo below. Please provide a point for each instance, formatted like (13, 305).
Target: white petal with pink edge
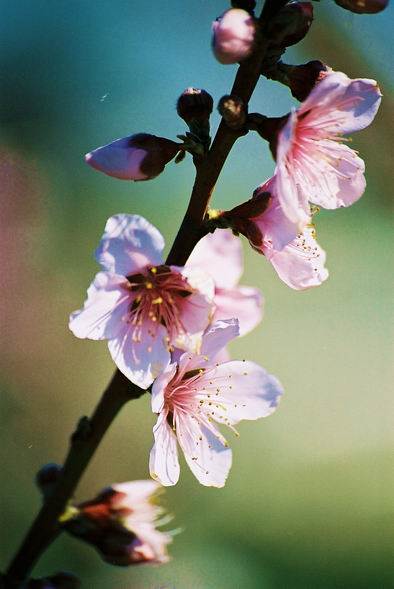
(206, 455)
(163, 462)
(141, 358)
(107, 303)
(243, 302)
(238, 390)
(129, 244)
(301, 264)
(219, 254)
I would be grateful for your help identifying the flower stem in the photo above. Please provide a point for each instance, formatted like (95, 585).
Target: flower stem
(120, 390)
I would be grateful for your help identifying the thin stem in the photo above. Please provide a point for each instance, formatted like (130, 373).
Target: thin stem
(120, 390)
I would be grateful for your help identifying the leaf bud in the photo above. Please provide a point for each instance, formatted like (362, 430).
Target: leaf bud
(137, 157)
(233, 110)
(363, 6)
(233, 36)
(47, 477)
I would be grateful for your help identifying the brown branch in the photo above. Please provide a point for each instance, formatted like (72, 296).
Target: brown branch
(120, 390)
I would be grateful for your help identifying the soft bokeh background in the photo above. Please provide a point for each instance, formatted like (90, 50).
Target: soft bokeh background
(309, 503)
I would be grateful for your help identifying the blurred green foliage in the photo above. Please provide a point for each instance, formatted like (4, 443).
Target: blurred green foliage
(309, 502)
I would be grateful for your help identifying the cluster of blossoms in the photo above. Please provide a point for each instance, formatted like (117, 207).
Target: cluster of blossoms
(168, 326)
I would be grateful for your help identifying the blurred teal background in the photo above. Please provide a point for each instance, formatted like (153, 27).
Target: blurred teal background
(309, 503)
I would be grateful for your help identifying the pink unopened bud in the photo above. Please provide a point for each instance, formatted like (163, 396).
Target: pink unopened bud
(234, 35)
(121, 524)
(138, 157)
(194, 104)
(363, 6)
(290, 25)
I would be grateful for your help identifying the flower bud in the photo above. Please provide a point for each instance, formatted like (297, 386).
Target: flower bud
(301, 79)
(290, 24)
(59, 581)
(363, 6)
(138, 157)
(233, 110)
(47, 477)
(234, 35)
(120, 524)
(245, 218)
(194, 104)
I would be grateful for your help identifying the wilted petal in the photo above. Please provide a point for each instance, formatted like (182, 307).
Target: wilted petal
(141, 359)
(129, 244)
(212, 251)
(106, 304)
(301, 263)
(163, 463)
(206, 455)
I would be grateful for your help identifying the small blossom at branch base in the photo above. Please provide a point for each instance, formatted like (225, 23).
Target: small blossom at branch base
(196, 394)
(363, 6)
(138, 157)
(59, 581)
(233, 36)
(143, 307)
(290, 25)
(121, 524)
(312, 165)
(220, 254)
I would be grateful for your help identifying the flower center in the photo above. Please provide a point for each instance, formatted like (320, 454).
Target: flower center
(159, 293)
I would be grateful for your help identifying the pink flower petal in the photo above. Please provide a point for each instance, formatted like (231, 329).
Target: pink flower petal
(342, 105)
(275, 226)
(129, 244)
(239, 390)
(341, 181)
(163, 462)
(141, 360)
(206, 455)
(157, 400)
(210, 254)
(101, 316)
(218, 336)
(243, 302)
(301, 263)
(119, 159)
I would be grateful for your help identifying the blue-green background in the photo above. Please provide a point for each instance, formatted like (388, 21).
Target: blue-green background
(309, 503)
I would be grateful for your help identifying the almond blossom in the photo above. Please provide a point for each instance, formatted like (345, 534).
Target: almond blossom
(220, 254)
(142, 306)
(121, 523)
(312, 165)
(195, 394)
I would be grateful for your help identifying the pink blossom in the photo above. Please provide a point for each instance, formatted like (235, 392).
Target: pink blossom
(312, 164)
(220, 254)
(140, 305)
(297, 257)
(233, 36)
(138, 157)
(194, 393)
(121, 523)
